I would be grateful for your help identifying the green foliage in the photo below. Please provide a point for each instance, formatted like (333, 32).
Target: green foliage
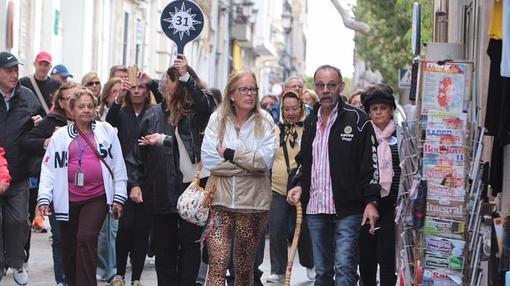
(391, 20)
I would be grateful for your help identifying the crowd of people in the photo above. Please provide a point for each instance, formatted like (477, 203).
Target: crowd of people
(107, 164)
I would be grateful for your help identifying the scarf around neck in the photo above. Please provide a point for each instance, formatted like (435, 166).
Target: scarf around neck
(384, 157)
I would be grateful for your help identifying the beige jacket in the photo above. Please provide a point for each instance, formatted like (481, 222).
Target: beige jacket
(244, 183)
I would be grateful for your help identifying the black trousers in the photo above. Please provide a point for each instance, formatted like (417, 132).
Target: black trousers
(177, 250)
(382, 244)
(133, 239)
(32, 202)
(282, 221)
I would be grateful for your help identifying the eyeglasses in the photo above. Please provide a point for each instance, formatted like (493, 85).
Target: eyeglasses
(244, 90)
(93, 83)
(330, 85)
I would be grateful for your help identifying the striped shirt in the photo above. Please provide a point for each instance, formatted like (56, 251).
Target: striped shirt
(321, 190)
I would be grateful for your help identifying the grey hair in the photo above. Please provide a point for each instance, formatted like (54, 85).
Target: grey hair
(293, 77)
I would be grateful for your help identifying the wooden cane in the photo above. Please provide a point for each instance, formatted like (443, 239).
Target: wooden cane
(295, 240)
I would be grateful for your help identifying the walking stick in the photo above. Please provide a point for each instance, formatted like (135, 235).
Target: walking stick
(295, 240)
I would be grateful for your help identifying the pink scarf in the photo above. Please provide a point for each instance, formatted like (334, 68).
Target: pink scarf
(384, 157)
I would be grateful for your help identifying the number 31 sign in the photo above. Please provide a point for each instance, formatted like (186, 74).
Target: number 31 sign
(182, 21)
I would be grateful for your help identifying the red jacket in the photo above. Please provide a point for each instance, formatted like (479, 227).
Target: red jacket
(5, 177)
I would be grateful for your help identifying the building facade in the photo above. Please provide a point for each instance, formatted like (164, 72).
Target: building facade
(93, 35)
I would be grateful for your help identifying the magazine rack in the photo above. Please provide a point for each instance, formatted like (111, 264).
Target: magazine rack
(438, 210)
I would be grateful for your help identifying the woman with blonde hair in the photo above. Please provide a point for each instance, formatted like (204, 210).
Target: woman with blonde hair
(310, 98)
(91, 81)
(112, 89)
(238, 148)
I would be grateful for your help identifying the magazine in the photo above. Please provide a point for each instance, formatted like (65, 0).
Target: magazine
(444, 87)
(445, 253)
(444, 136)
(444, 227)
(446, 209)
(438, 191)
(434, 277)
(443, 155)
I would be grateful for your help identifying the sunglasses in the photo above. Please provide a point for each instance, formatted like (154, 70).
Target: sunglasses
(93, 83)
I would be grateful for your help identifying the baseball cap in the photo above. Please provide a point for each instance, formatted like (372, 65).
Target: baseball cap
(43, 56)
(8, 60)
(61, 70)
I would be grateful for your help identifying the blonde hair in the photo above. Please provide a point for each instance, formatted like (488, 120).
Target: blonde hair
(227, 109)
(105, 93)
(312, 95)
(88, 77)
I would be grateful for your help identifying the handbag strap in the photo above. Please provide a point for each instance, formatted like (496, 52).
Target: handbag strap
(94, 149)
(39, 94)
(285, 151)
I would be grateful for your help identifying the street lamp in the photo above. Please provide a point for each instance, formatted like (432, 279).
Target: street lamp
(287, 20)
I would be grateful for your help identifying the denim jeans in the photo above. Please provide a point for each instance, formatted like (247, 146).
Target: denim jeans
(106, 257)
(56, 247)
(335, 244)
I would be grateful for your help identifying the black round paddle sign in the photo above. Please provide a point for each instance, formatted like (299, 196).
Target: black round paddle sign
(182, 21)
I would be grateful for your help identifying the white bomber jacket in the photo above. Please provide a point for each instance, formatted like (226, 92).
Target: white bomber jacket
(243, 184)
(53, 186)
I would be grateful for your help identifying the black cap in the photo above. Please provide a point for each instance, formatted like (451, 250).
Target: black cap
(379, 93)
(8, 60)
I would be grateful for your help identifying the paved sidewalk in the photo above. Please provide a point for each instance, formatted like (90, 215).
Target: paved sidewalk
(41, 267)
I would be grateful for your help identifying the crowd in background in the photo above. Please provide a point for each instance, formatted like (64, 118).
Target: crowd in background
(106, 161)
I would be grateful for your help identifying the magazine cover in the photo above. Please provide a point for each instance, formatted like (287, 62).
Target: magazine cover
(449, 175)
(445, 136)
(443, 252)
(443, 155)
(444, 87)
(447, 190)
(446, 209)
(444, 227)
(433, 277)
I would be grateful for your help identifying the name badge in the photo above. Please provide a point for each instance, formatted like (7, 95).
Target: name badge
(79, 179)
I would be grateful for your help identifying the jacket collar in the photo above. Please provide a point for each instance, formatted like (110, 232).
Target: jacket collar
(71, 129)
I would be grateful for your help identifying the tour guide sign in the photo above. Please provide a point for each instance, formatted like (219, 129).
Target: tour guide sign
(182, 21)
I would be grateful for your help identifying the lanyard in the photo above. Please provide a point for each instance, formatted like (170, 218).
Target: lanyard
(80, 151)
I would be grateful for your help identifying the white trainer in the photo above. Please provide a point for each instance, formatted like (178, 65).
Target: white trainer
(20, 276)
(310, 273)
(275, 278)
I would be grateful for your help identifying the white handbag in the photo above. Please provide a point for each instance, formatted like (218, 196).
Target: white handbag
(194, 203)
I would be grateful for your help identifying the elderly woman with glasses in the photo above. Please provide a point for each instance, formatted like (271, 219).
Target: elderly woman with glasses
(238, 148)
(91, 82)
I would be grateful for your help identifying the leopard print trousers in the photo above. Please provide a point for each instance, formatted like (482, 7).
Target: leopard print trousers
(245, 231)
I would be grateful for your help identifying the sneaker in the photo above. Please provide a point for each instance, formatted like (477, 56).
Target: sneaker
(310, 273)
(20, 276)
(136, 283)
(25, 266)
(60, 284)
(117, 281)
(275, 278)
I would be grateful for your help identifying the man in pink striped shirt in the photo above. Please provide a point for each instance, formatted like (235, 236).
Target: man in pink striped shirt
(338, 182)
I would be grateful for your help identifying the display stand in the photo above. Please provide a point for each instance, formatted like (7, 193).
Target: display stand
(438, 210)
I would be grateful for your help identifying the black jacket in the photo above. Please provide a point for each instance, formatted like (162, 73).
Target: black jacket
(352, 159)
(156, 168)
(127, 123)
(14, 124)
(33, 141)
